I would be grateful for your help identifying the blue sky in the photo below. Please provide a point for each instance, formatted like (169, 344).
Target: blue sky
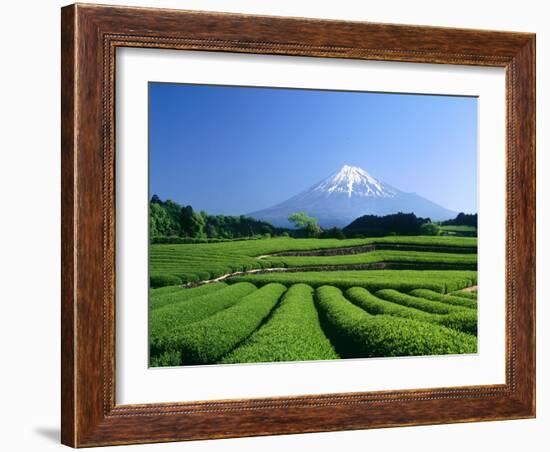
(233, 150)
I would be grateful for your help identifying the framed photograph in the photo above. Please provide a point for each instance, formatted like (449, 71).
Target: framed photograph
(281, 225)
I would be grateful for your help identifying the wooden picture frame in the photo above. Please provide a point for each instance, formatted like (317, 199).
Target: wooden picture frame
(90, 36)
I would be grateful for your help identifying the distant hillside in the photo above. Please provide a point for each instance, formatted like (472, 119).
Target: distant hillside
(399, 224)
(462, 219)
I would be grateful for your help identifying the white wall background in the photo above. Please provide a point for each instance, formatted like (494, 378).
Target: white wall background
(29, 224)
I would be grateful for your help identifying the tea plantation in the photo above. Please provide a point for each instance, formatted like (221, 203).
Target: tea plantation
(285, 299)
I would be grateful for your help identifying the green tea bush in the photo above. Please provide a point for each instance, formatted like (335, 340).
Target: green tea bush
(188, 277)
(206, 341)
(166, 324)
(465, 320)
(434, 307)
(448, 298)
(376, 306)
(165, 290)
(357, 334)
(465, 295)
(404, 280)
(462, 261)
(160, 299)
(164, 280)
(456, 285)
(293, 333)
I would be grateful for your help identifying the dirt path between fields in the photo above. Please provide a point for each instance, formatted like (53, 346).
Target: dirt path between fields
(469, 289)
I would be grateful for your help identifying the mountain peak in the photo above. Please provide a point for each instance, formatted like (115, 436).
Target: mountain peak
(351, 168)
(352, 180)
(346, 195)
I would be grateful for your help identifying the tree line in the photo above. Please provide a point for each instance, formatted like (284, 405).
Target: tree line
(170, 219)
(393, 224)
(462, 219)
(170, 222)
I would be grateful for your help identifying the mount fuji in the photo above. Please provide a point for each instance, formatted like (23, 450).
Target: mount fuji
(348, 194)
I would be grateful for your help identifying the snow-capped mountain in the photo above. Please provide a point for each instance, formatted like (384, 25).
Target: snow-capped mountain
(354, 181)
(348, 194)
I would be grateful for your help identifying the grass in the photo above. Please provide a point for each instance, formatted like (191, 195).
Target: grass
(173, 264)
(164, 296)
(357, 333)
(441, 281)
(167, 324)
(293, 333)
(206, 341)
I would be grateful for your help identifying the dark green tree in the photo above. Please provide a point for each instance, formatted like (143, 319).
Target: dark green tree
(430, 229)
(155, 200)
(333, 233)
(160, 223)
(191, 222)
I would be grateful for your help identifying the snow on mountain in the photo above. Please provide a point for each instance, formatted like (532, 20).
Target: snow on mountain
(348, 194)
(355, 181)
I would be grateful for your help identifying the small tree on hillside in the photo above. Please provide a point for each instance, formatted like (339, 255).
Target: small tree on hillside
(306, 223)
(430, 229)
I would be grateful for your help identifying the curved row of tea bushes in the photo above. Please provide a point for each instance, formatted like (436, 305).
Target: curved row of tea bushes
(168, 323)
(376, 306)
(434, 307)
(464, 320)
(404, 280)
(161, 291)
(357, 334)
(163, 280)
(447, 298)
(293, 333)
(206, 341)
(163, 297)
(457, 285)
(467, 261)
(467, 295)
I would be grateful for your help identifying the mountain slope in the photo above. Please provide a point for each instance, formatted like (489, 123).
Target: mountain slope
(348, 194)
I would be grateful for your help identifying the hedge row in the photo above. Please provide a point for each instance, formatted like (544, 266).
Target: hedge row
(293, 333)
(160, 297)
(168, 323)
(448, 299)
(174, 239)
(156, 281)
(434, 307)
(463, 261)
(376, 306)
(466, 295)
(206, 341)
(464, 320)
(453, 286)
(404, 280)
(357, 334)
